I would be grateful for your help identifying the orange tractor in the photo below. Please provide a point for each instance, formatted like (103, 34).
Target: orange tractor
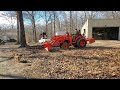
(66, 40)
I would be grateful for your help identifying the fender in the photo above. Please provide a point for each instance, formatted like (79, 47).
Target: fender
(79, 37)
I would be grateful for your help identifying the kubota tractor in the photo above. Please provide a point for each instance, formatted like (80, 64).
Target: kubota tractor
(64, 40)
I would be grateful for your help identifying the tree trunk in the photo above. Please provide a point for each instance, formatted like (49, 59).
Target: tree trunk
(11, 24)
(18, 30)
(76, 20)
(33, 33)
(54, 21)
(70, 21)
(59, 25)
(66, 25)
(46, 21)
(85, 16)
(22, 31)
(46, 28)
(34, 28)
(51, 28)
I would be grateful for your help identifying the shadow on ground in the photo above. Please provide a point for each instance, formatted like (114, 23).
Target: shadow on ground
(92, 47)
(87, 58)
(7, 59)
(14, 77)
(35, 47)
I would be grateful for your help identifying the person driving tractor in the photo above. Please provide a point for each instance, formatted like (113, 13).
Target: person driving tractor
(76, 34)
(67, 33)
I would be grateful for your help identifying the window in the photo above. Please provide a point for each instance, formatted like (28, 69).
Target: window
(84, 31)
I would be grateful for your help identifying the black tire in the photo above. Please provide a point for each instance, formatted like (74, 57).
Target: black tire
(81, 40)
(65, 45)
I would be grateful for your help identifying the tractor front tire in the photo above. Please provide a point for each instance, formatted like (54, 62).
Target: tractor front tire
(81, 43)
(65, 45)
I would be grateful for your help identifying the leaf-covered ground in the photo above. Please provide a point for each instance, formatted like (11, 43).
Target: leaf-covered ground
(100, 60)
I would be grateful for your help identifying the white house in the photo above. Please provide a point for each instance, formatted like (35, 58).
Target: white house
(102, 29)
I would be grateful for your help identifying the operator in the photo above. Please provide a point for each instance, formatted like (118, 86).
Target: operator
(84, 34)
(76, 34)
(67, 33)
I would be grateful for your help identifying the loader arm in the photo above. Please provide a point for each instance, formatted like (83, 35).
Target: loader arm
(90, 40)
(57, 41)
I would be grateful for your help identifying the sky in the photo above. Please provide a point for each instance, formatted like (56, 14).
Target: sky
(5, 21)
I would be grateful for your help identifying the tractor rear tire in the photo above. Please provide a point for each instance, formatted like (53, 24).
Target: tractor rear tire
(81, 43)
(65, 45)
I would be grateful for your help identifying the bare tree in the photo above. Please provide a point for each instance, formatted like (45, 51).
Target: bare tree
(59, 20)
(18, 28)
(71, 22)
(10, 16)
(84, 15)
(54, 16)
(53, 21)
(65, 20)
(111, 14)
(51, 27)
(89, 14)
(30, 15)
(46, 16)
(22, 31)
(76, 18)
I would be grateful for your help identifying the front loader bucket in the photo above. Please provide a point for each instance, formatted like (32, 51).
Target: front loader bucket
(47, 46)
(90, 40)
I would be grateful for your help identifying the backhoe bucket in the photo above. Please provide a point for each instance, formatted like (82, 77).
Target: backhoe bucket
(47, 46)
(90, 40)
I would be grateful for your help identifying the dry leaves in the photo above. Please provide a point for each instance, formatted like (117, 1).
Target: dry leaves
(92, 62)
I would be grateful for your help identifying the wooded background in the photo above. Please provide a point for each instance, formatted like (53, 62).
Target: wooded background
(36, 22)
